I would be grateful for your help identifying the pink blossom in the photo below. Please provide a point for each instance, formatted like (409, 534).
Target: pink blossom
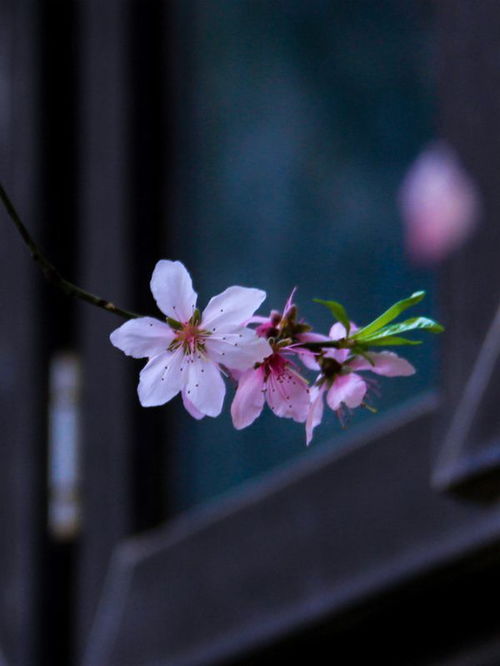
(185, 353)
(340, 380)
(276, 382)
(439, 205)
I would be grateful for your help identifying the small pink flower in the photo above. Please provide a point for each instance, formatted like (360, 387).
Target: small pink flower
(276, 382)
(439, 204)
(341, 383)
(187, 351)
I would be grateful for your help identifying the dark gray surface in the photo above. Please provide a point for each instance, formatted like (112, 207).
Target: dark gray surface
(108, 393)
(469, 80)
(327, 534)
(22, 390)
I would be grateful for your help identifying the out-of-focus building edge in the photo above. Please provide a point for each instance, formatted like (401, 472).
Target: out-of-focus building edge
(201, 592)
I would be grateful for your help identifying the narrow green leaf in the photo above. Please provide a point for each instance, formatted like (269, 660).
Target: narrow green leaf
(389, 341)
(338, 311)
(389, 315)
(413, 324)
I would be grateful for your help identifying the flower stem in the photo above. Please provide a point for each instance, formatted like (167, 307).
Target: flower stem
(50, 271)
(318, 346)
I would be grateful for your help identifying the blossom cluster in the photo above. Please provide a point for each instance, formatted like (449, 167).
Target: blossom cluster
(267, 357)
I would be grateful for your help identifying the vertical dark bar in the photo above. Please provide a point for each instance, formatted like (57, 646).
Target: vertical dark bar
(22, 395)
(149, 164)
(108, 385)
(59, 228)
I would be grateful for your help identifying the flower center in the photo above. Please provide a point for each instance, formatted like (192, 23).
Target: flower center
(275, 364)
(330, 367)
(190, 337)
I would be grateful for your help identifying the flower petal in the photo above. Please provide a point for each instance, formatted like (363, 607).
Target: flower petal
(349, 389)
(249, 398)
(173, 290)
(384, 363)
(337, 331)
(340, 355)
(195, 413)
(287, 394)
(315, 413)
(308, 358)
(144, 336)
(205, 388)
(289, 303)
(161, 379)
(309, 336)
(232, 308)
(239, 351)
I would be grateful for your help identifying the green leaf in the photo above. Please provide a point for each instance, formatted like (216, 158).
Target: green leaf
(338, 311)
(389, 315)
(390, 340)
(415, 323)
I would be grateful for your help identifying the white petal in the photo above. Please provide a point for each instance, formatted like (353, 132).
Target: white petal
(232, 308)
(349, 389)
(384, 363)
(162, 378)
(195, 413)
(173, 290)
(144, 336)
(238, 351)
(287, 395)
(315, 411)
(249, 398)
(205, 387)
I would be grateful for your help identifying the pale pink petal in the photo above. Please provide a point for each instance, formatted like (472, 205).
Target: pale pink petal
(249, 398)
(289, 303)
(312, 337)
(337, 331)
(439, 203)
(287, 395)
(307, 357)
(205, 388)
(173, 290)
(315, 413)
(239, 350)
(161, 379)
(349, 389)
(340, 355)
(195, 413)
(144, 336)
(231, 309)
(383, 363)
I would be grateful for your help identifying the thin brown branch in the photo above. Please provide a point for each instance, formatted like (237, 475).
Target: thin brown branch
(50, 271)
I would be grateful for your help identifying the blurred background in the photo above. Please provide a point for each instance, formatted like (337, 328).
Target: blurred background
(260, 142)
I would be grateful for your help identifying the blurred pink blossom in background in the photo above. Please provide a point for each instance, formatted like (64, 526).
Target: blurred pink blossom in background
(439, 204)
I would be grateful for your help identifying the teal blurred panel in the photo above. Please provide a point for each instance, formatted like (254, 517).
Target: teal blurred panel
(302, 119)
